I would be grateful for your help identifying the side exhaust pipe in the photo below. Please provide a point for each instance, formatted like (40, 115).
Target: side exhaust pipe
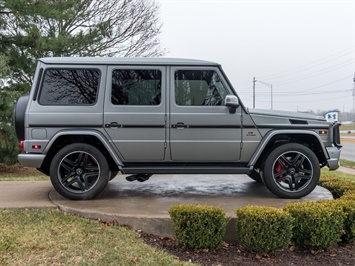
(143, 178)
(139, 178)
(131, 178)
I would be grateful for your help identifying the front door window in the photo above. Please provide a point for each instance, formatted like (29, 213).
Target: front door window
(198, 88)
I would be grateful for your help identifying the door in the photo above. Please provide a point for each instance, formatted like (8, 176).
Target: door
(201, 128)
(135, 112)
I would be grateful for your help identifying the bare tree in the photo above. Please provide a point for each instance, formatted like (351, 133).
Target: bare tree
(38, 28)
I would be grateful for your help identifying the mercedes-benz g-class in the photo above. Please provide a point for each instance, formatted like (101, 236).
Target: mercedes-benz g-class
(85, 119)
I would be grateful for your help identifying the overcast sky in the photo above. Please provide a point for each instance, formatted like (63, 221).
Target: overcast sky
(305, 49)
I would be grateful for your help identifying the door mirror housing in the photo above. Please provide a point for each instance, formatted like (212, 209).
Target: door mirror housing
(232, 102)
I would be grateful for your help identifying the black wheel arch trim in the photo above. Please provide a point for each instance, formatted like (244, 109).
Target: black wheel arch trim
(92, 133)
(262, 145)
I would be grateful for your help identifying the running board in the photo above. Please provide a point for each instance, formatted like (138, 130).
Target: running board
(185, 170)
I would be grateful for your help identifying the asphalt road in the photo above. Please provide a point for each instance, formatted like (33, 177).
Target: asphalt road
(348, 151)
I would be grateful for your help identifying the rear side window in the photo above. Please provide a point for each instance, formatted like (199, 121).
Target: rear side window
(136, 87)
(70, 87)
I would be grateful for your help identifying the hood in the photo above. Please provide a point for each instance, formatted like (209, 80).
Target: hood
(283, 119)
(297, 115)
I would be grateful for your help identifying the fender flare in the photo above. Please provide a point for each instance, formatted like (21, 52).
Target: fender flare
(93, 133)
(273, 133)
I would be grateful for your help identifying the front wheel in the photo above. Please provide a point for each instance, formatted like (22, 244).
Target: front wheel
(291, 171)
(79, 171)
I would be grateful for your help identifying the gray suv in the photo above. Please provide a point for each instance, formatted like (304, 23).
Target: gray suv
(86, 119)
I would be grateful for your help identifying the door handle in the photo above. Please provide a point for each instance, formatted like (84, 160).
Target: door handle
(179, 125)
(113, 124)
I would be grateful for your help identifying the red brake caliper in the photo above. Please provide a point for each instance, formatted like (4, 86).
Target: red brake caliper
(90, 163)
(279, 167)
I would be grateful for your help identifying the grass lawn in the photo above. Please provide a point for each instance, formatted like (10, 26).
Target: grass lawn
(325, 172)
(51, 237)
(20, 173)
(347, 127)
(347, 163)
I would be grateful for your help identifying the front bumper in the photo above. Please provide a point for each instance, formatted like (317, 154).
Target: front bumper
(31, 160)
(334, 157)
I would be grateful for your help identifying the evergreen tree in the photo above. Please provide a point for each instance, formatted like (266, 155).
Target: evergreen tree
(8, 141)
(31, 29)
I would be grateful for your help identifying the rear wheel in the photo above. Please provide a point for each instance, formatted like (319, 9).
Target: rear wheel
(79, 171)
(291, 171)
(256, 176)
(113, 174)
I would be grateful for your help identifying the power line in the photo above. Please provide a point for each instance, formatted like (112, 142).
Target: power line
(308, 101)
(310, 65)
(324, 85)
(314, 74)
(307, 90)
(311, 93)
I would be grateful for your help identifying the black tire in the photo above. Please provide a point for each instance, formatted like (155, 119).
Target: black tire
(79, 171)
(291, 171)
(255, 176)
(113, 174)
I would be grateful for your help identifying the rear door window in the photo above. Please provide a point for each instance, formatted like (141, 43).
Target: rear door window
(136, 87)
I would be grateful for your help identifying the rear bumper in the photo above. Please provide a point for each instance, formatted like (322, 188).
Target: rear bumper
(31, 160)
(334, 157)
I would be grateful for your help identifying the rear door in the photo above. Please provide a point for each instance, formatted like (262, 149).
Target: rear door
(201, 128)
(135, 111)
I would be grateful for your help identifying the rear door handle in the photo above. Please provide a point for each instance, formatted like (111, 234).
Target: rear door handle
(179, 125)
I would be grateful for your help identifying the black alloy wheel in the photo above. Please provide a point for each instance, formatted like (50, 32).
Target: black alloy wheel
(79, 171)
(291, 171)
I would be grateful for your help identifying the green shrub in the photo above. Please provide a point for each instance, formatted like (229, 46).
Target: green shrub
(348, 195)
(263, 229)
(349, 219)
(316, 224)
(197, 226)
(336, 186)
(327, 177)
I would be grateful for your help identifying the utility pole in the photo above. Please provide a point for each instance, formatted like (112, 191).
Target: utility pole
(267, 84)
(254, 92)
(354, 98)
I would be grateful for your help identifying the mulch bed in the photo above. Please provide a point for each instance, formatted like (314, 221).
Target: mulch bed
(18, 170)
(234, 254)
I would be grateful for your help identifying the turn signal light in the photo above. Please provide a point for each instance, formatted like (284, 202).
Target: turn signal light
(36, 147)
(323, 132)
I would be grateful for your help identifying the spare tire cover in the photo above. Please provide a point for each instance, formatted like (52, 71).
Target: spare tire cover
(19, 116)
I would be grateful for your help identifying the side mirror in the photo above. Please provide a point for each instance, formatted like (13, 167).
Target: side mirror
(232, 102)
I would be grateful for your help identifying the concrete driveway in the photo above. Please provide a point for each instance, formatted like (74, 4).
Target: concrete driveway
(145, 206)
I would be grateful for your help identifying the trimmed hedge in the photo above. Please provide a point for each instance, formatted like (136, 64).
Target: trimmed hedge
(316, 224)
(348, 195)
(263, 229)
(349, 219)
(197, 226)
(337, 187)
(320, 224)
